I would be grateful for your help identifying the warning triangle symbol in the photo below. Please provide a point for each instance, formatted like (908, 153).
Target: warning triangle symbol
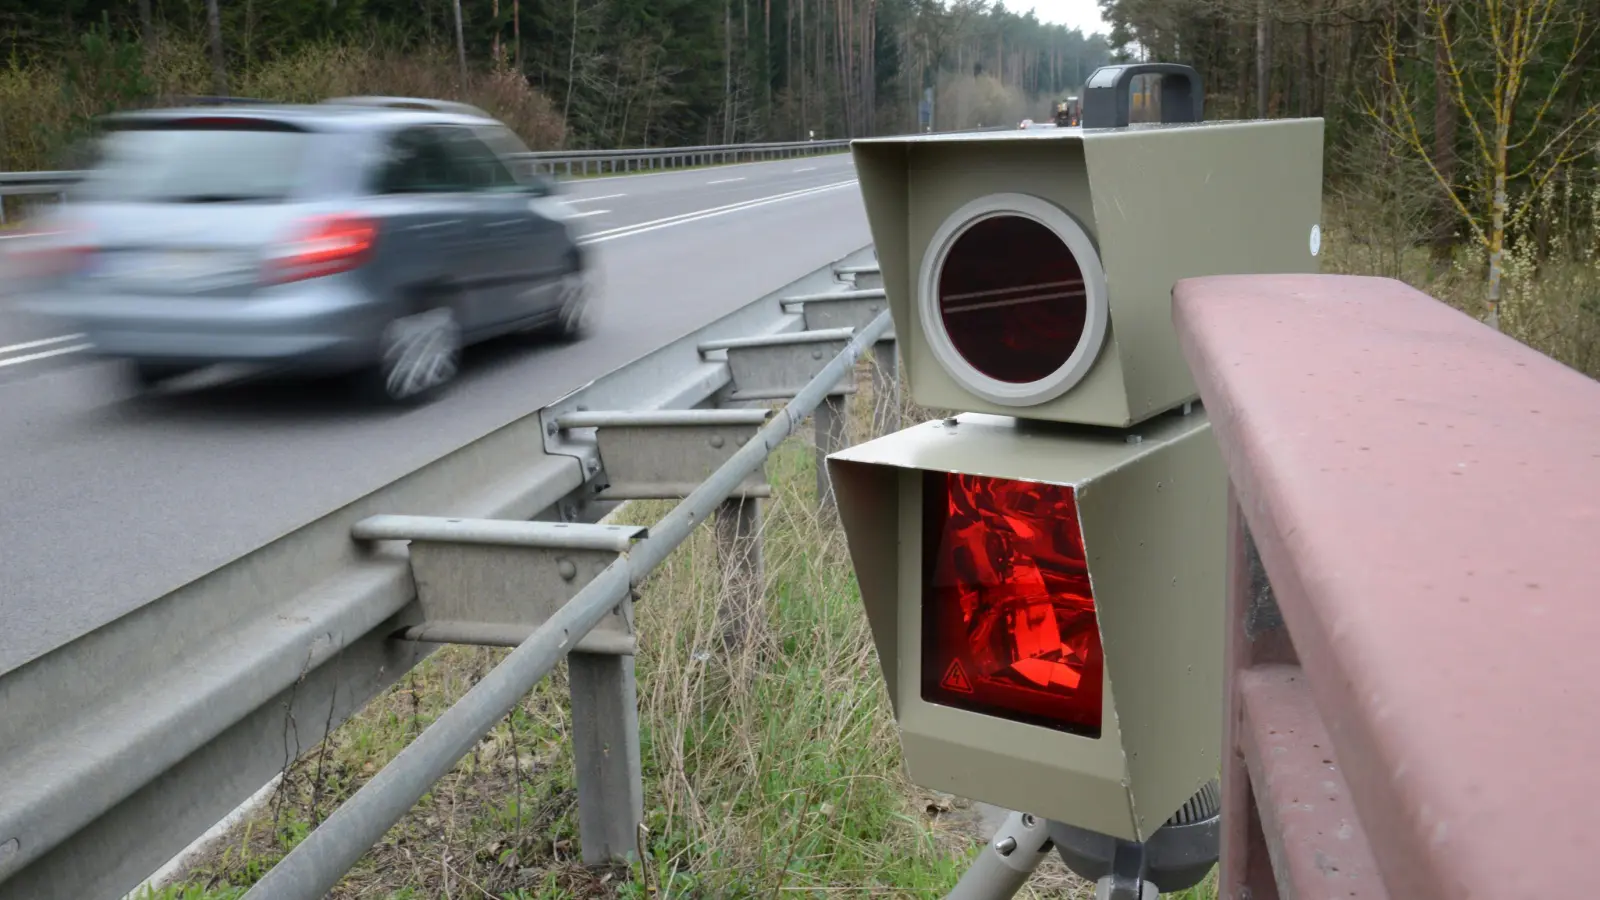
(955, 678)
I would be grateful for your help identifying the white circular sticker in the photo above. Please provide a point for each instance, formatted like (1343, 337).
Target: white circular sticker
(1316, 239)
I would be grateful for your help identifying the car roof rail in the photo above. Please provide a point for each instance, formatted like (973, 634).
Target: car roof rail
(418, 103)
(220, 101)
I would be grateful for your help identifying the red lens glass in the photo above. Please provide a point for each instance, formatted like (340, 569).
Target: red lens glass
(1011, 298)
(1008, 617)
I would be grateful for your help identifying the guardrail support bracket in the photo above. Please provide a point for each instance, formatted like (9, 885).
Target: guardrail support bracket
(492, 581)
(666, 454)
(777, 366)
(863, 277)
(840, 309)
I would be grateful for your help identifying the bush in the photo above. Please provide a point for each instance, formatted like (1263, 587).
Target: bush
(45, 111)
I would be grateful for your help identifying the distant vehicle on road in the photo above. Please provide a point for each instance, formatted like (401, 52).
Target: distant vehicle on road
(1069, 112)
(371, 236)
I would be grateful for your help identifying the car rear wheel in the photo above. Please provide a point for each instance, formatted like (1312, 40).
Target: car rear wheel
(577, 304)
(147, 375)
(419, 355)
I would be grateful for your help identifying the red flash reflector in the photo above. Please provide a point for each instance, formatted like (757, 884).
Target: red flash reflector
(1008, 617)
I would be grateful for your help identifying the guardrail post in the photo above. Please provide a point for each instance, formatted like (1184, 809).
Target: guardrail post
(830, 423)
(740, 612)
(885, 387)
(605, 752)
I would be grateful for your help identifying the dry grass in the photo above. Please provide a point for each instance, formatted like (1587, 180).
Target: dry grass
(1379, 226)
(44, 109)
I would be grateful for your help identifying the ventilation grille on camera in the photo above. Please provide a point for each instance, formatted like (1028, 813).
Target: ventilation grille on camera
(1203, 805)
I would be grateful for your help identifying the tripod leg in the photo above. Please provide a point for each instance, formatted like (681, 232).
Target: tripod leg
(1105, 889)
(1007, 861)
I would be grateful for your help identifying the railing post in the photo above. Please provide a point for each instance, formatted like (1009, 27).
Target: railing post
(738, 532)
(1255, 635)
(605, 752)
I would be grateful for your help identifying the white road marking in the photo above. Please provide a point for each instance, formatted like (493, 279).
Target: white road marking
(16, 360)
(807, 169)
(726, 180)
(601, 197)
(685, 218)
(588, 212)
(29, 345)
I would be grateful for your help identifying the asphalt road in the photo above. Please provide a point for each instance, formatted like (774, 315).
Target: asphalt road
(108, 501)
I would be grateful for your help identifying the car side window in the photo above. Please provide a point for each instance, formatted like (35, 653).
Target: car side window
(476, 165)
(415, 161)
(510, 148)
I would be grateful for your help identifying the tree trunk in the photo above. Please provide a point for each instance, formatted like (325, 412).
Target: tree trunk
(839, 64)
(219, 71)
(727, 71)
(461, 46)
(1497, 229)
(819, 67)
(1444, 141)
(767, 58)
(805, 83)
(869, 80)
(1263, 60)
(572, 70)
(147, 26)
(516, 31)
(1308, 69)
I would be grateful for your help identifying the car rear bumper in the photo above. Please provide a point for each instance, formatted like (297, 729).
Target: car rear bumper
(325, 326)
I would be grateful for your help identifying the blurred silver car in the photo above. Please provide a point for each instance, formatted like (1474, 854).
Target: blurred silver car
(364, 237)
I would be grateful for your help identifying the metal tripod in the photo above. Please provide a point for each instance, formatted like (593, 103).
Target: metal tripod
(1021, 843)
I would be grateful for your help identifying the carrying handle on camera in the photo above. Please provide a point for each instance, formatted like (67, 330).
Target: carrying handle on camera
(1105, 96)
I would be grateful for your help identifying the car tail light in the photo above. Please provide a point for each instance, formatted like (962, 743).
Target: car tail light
(49, 254)
(1009, 624)
(328, 245)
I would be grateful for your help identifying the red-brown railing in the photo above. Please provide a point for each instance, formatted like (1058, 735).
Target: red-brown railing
(1414, 622)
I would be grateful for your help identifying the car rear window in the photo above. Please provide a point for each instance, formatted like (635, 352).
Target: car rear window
(212, 160)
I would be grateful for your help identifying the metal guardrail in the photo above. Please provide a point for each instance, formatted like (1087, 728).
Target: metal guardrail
(1412, 600)
(568, 162)
(181, 710)
(579, 162)
(315, 866)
